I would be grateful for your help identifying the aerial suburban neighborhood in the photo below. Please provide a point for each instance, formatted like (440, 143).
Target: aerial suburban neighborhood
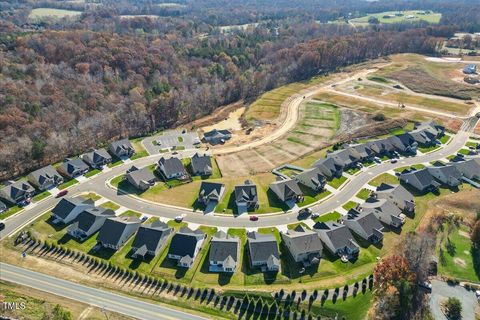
(289, 160)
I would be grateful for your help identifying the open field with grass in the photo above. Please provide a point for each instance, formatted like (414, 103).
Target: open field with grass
(42, 13)
(140, 151)
(384, 178)
(400, 17)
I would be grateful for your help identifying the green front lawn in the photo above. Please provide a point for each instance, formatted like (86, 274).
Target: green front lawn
(384, 178)
(93, 172)
(11, 210)
(364, 194)
(416, 166)
(310, 198)
(444, 139)
(93, 196)
(337, 182)
(67, 184)
(428, 149)
(41, 196)
(331, 216)
(464, 151)
(349, 205)
(110, 205)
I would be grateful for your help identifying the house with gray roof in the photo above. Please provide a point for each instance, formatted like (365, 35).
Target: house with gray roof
(431, 127)
(150, 239)
(420, 180)
(215, 136)
(303, 244)
(469, 168)
(224, 252)
(263, 251)
(201, 165)
(88, 222)
(97, 158)
(142, 179)
(337, 239)
(210, 192)
(45, 178)
(68, 209)
(365, 153)
(246, 196)
(423, 137)
(398, 195)
(72, 168)
(403, 143)
(448, 175)
(185, 246)
(365, 225)
(287, 190)
(312, 178)
(18, 192)
(385, 211)
(381, 147)
(116, 231)
(345, 158)
(172, 168)
(121, 148)
(328, 168)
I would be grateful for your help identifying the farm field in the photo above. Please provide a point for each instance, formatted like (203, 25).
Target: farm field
(42, 13)
(400, 17)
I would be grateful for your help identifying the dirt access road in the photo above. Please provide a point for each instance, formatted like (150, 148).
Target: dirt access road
(291, 114)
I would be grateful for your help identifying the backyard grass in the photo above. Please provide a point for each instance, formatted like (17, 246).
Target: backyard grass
(383, 178)
(364, 194)
(67, 184)
(337, 182)
(41, 196)
(93, 172)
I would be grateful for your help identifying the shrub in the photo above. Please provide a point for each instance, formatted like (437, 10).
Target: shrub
(453, 308)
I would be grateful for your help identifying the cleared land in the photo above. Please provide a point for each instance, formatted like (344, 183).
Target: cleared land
(42, 13)
(399, 17)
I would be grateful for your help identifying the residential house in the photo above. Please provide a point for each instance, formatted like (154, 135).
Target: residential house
(403, 143)
(172, 168)
(448, 175)
(89, 221)
(381, 147)
(246, 196)
(469, 168)
(97, 158)
(18, 192)
(287, 190)
(68, 209)
(385, 211)
(224, 252)
(345, 158)
(211, 192)
(337, 238)
(201, 165)
(73, 168)
(328, 168)
(470, 69)
(150, 239)
(116, 231)
(420, 180)
(398, 195)
(121, 148)
(423, 137)
(365, 225)
(263, 251)
(185, 246)
(45, 178)
(311, 178)
(3, 207)
(141, 179)
(215, 136)
(304, 245)
(365, 153)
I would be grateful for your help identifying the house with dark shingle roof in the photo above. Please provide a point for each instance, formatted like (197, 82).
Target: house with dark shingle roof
(72, 168)
(224, 252)
(328, 168)
(201, 165)
(141, 179)
(448, 175)
(17, 193)
(381, 147)
(365, 225)
(97, 158)
(45, 178)
(246, 196)
(303, 244)
(172, 168)
(185, 246)
(215, 136)
(263, 251)
(421, 180)
(312, 178)
(423, 137)
(345, 158)
(403, 143)
(150, 239)
(89, 221)
(385, 211)
(287, 190)
(365, 153)
(68, 209)
(116, 231)
(469, 168)
(337, 239)
(398, 195)
(121, 148)
(431, 127)
(210, 192)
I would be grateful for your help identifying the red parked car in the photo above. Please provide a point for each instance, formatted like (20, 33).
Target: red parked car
(253, 218)
(61, 194)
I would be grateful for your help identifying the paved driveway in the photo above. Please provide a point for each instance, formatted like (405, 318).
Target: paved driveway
(441, 291)
(171, 139)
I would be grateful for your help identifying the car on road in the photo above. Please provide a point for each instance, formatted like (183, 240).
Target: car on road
(61, 193)
(393, 160)
(178, 219)
(315, 215)
(377, 159)
(253, 218)
(427, 285)
(2, 225)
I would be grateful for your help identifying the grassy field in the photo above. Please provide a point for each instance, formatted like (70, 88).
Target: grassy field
(353, 308)
(42, 13)
(400, 17)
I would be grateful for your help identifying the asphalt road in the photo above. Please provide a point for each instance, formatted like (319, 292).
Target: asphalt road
(135, 308)
(442, 291)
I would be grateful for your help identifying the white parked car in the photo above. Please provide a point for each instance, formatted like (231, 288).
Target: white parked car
(178, 218)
